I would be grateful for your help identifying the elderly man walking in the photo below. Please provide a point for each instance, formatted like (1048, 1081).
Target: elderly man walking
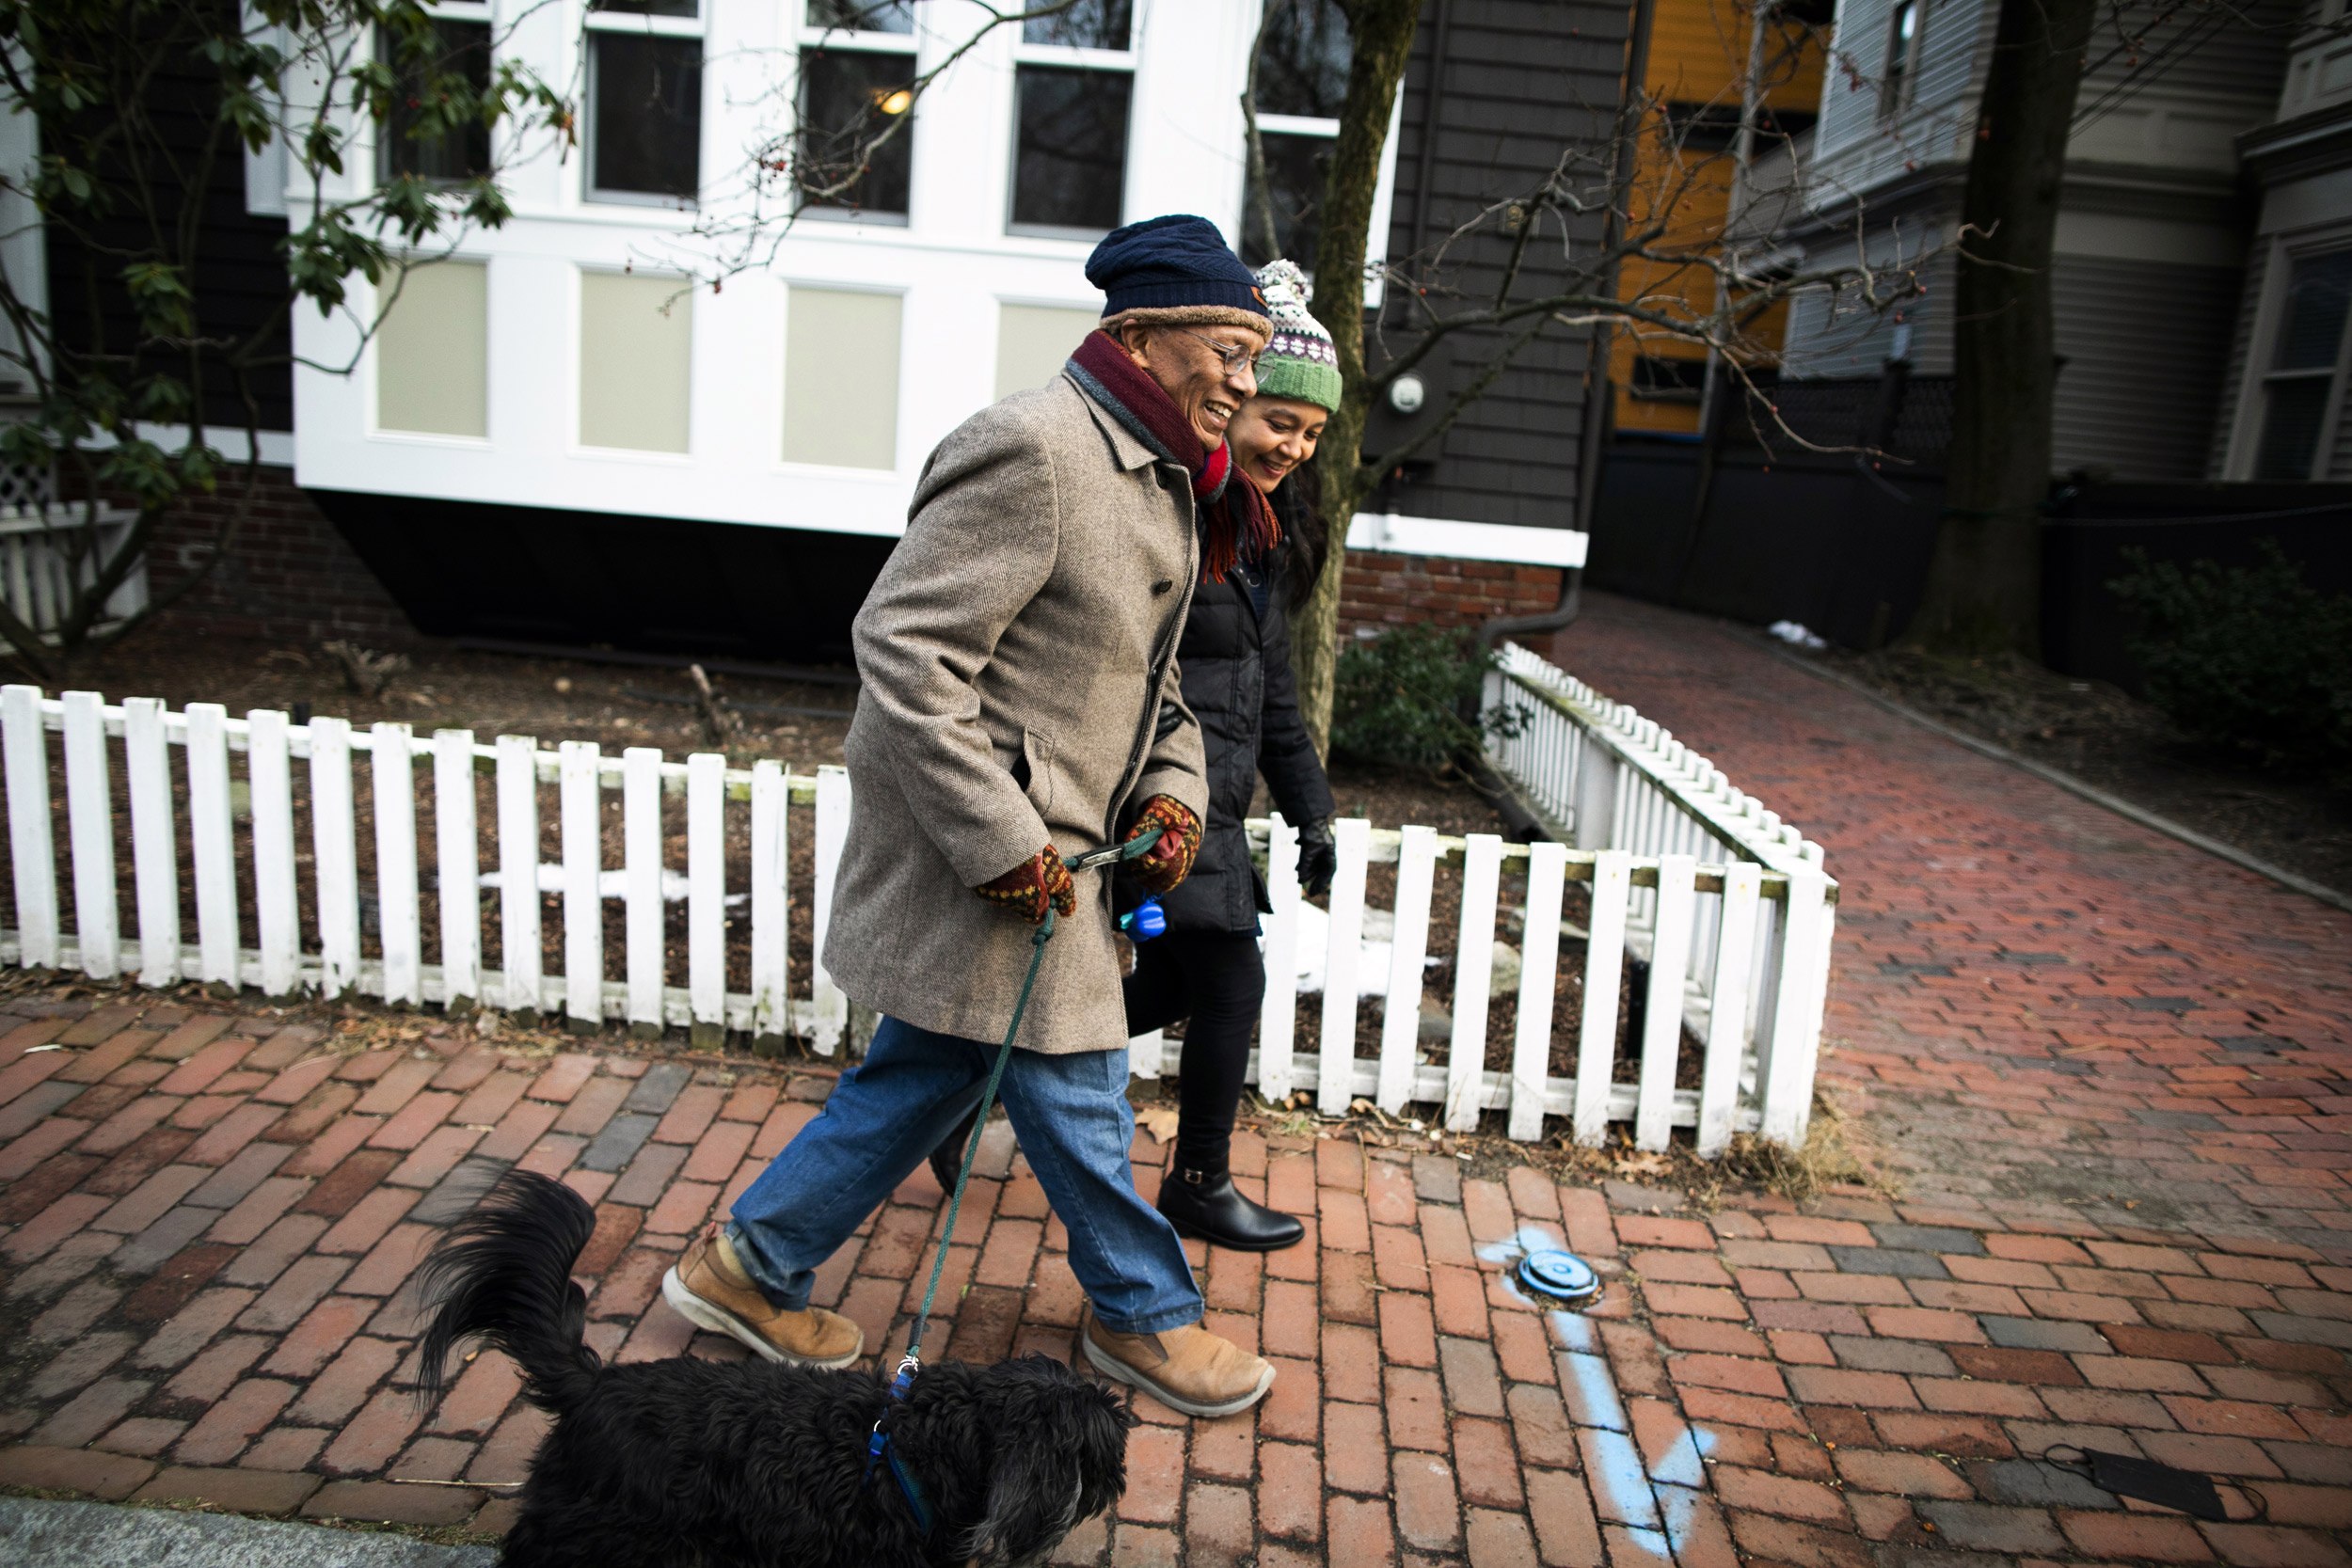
(1020, 705)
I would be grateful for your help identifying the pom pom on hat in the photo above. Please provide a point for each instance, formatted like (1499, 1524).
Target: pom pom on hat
(1300, 361)
(1175, 270)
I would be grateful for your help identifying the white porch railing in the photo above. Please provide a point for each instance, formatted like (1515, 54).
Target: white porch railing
(1736, 942)
(1753, 967)
(38, 575)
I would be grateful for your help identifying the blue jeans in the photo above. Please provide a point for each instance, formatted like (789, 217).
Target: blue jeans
(1072, 1116)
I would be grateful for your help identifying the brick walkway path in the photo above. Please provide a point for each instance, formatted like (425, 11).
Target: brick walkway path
(2039, 999)
(212, 1223)
(212, 1220)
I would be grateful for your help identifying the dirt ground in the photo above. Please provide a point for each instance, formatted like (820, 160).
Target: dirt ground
(2106, 737)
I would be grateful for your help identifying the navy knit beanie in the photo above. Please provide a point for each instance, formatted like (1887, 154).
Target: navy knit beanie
(1175, 270)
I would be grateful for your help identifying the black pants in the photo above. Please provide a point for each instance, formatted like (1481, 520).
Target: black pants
(1218, 980)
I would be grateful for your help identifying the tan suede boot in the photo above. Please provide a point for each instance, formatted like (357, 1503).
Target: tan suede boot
(1187, 1368)
(709, 1288)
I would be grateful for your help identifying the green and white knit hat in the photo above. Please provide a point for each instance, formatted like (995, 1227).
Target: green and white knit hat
(1299, 362)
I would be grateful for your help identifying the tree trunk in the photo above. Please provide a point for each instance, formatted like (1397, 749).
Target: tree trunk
(1984, 584)
(1382, 36)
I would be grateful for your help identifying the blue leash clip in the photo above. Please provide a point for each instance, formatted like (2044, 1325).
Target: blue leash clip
(1145, 921)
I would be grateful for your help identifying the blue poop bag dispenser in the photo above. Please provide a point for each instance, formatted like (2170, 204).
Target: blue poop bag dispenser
(1145, 921)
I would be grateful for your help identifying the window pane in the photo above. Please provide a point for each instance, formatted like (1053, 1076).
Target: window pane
(2310, 329)
(863, 15)
(1302, 67)
(647, 94)
(846, 100)
(1088, 24)
(1296, 167)
(433, 352)
(2292, 412)
(647, 7)
(1073, 164)
(841, 378)
(1034, 340)
(433, 134)
(636, 361)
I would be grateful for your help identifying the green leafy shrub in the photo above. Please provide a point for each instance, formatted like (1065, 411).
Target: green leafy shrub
(1400, 697)
(2249, 658)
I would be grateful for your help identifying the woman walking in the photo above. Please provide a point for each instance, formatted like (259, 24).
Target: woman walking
(1234, 662)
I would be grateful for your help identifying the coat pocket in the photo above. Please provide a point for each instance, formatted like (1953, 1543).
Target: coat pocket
(1037, 765)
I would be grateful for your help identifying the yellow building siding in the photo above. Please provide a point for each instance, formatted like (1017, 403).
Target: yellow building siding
(1698, 51)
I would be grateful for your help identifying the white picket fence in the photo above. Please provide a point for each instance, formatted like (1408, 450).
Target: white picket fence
(1737, 944)
(1723, 900)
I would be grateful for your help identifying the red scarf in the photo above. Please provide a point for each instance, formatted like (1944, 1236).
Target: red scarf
(1149, 415)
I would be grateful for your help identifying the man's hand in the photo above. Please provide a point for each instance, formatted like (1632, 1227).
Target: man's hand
(1030, 887)
(1318, 858)
(1168, 861)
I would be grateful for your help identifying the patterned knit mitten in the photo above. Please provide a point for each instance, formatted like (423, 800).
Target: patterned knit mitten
(1028, 888)
(1158, 869)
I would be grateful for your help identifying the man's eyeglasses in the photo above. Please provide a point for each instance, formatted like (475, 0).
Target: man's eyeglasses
(1231, 357)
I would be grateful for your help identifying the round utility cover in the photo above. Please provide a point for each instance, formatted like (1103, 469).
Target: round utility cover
(1561, 1275)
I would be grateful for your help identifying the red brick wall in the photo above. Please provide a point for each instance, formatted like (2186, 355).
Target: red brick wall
(1394, 590)
(290, 578)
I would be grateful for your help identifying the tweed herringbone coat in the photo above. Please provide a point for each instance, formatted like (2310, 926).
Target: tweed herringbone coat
(1017, 651)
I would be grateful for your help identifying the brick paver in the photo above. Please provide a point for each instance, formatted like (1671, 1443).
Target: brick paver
(1853, 1383)
(2040, 1002)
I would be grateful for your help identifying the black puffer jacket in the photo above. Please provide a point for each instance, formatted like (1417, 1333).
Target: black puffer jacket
(1237, 680)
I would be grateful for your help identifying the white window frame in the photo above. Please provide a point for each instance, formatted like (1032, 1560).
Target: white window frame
(475, 11)
(592, 23)
(2254, 404)
(856, 40)
(1121, 61)
(1383, 190)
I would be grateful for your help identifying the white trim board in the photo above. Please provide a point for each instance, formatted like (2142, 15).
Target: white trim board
(1524, 546)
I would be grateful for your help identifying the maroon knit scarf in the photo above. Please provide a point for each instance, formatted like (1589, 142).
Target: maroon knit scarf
(1152, 417)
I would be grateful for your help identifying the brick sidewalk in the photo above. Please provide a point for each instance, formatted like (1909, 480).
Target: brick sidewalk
(212, 1225)
(2042, 1001)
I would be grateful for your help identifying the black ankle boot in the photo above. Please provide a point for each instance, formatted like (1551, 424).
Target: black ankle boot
(948, 1158)
(1205, 1204)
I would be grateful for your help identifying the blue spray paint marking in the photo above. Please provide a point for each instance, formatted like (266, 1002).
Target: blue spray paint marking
(1592, 1393)
(1575, 1332)
(1650, 1541)
(1619, 1486)
(1680, 1466)
(1681, 1506)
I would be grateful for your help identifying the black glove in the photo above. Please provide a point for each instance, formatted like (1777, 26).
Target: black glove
(1318, 858)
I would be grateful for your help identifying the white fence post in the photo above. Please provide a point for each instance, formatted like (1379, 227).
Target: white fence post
(518, 872)
(1400, 1019)
(1278, 1019)
(771, 1016)
(457, 847)
(154, 841)
(831, 1008)
(1788, 1086)
(397, 916)
(706, 897)
(210, 838)
(1335, 1068)
(1473, 977)
(1661, 1025)
(1539, 967)
(647, 915)
(1735, 956)
(276, 916)
(90, 826)
(582, 818)
(1604, 961)
(31, 851)
(335, 849)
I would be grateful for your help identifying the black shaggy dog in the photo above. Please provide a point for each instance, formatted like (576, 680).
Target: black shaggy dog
(693, 1463)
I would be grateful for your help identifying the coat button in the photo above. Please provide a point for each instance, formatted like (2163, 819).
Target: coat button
(1162, 586)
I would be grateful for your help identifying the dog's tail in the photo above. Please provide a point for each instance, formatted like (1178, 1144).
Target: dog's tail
(503, 1272)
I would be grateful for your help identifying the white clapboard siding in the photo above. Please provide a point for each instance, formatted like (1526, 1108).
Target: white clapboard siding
(1731, 909)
